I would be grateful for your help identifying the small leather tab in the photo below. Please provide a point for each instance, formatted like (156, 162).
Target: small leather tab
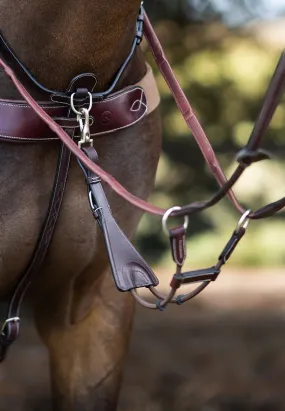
(178, 244)
(81, 93)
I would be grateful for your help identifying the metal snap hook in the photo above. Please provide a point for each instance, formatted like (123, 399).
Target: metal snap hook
(166, 216)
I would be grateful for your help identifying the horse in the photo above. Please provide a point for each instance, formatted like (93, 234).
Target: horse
(82, 319)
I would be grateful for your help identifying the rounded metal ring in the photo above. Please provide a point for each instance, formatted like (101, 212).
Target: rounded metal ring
(244, 221)
(79, 113)
(166, 216)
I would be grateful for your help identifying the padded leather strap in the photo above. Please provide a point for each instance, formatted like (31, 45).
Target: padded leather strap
(120, 110)
(128, 267)
(117, 112)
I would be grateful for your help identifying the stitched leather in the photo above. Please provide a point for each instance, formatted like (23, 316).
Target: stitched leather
(119, 111)
(12, 329)
(129, 269)
(178, 244)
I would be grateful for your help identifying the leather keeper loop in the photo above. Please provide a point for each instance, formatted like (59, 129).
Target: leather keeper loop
(178, 245)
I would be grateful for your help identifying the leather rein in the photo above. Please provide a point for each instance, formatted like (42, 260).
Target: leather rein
(129, 269)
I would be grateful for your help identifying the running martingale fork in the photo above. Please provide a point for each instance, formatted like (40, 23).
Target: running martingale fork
(130, 270)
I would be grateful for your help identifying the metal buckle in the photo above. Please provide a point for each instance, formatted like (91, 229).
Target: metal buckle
(166, 216)
(7, 321)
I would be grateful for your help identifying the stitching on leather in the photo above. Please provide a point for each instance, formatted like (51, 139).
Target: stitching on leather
(140, 103)
(187, 113)
(29, 138)
(141, 284)
(174, 249)
(147, 269)
(116, 129)
(128, 91)
(22, 105)
(76, 136)
(43, 234)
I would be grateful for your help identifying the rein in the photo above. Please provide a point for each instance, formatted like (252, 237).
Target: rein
(129, 269)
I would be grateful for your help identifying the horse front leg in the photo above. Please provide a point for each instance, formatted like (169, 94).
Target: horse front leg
(87, 355)
(82, 318)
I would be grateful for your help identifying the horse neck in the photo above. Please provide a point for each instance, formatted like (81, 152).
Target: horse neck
(57, 40)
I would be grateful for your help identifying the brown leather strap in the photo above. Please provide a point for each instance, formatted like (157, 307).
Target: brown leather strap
(119, 111)
(186, 109)
(10, 329)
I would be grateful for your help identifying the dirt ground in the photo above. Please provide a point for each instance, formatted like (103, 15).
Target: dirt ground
(222, 352)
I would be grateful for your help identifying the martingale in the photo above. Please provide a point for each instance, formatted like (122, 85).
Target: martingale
(71, 116)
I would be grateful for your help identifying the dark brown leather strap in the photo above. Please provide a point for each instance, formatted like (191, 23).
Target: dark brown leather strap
(128, 267)
(10, 329)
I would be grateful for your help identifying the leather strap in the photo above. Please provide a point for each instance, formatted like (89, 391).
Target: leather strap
(118, 111)
(11, 327)
(186, 109)
(128, 267)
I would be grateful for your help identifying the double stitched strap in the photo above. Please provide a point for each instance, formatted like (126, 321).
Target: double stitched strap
(11, 326)
(116, 112)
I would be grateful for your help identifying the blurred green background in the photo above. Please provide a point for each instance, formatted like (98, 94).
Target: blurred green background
(224, 53)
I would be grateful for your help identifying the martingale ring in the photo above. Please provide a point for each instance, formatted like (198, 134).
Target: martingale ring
(79, 113)
(244, 221)
(166, 216)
